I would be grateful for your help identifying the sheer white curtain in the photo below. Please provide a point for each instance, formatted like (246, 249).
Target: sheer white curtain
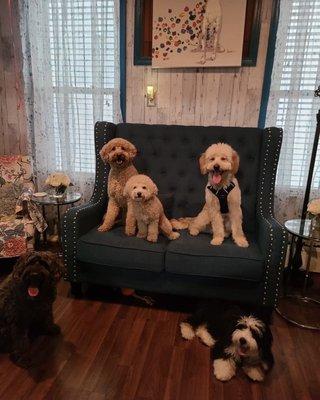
(292, 105)
(71, 71)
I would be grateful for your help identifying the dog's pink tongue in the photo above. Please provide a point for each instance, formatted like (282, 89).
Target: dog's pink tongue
(33, 291)
(216, 179)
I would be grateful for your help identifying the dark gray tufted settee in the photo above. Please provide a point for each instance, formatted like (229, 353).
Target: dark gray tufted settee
(189, 265)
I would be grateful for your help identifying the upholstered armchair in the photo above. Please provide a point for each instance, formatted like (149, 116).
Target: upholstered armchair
(16, 227)
(189, 265)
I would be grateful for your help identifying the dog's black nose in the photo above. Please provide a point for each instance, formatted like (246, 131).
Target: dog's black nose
(139, 194)
(216, 167)
(242, 341)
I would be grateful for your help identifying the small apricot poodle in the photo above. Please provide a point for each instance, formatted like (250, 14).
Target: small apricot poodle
(145, 208)
(223, 196)
(119, 153)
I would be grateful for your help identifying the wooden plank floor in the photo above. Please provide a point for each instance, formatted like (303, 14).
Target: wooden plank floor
(114, 351)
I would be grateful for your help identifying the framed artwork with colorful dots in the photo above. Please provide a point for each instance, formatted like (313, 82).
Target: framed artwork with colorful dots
(197, 33)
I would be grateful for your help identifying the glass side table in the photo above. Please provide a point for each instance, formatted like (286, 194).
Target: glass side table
(67, 199)
(304, 229)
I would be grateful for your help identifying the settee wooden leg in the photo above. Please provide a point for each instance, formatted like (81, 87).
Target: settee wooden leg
(76, 289)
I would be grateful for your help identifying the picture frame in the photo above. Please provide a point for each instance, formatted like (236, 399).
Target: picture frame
(143, 32)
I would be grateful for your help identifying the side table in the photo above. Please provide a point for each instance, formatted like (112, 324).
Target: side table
(67, 199)
(301, 228)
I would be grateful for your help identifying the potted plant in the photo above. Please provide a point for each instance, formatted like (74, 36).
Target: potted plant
(59, 182)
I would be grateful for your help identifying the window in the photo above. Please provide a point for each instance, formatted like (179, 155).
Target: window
(292, 105)
(84, 75)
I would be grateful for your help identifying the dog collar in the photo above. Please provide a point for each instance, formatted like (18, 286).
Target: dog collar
(222, 195)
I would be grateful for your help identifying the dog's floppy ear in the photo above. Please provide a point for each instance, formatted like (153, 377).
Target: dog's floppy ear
(154, 189)
(104, 152)
(202, 163)
(235, 162)
(21, 264)
(54, 262)
(132, 150)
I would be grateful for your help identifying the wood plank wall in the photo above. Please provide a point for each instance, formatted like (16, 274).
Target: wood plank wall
(213, 96)
(13, 138)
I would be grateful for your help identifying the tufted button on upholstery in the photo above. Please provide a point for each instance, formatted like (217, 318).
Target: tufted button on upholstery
(174, 156)
(191, 189)
(154, 153)
(182, 204)
(172, 188)
(163, 171)
(184, 140)
(250, 157)
(182, 173)
(241, 141)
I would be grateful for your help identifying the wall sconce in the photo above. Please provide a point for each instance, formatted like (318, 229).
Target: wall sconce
(151, 96)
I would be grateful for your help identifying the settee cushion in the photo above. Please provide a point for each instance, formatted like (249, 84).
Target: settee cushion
(115, 249)
(196, 256)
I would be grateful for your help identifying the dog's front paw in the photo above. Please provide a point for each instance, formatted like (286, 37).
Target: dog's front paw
(152, 238)
(241, 241)
(174, 235)
(224, 370)
(254, 373)
(187, 331)
(130, 231)
(194, 231)
(217, 240)
(103, 228)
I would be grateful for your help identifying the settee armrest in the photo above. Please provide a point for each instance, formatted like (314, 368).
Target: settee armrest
(272, 237)
(79, 220)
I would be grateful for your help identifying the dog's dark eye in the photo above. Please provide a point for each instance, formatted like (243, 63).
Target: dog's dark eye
(212, 159)
(134, 187)
(113, 148)
(241, 326)
(143, 187)
(223, 158)
(122, 148)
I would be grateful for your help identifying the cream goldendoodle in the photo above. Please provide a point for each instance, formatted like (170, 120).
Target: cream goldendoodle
(119, 153)
(222, 209)
(145, 208)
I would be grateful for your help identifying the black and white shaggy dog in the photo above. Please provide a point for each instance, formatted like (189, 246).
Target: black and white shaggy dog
(238, 336)
(26, 299)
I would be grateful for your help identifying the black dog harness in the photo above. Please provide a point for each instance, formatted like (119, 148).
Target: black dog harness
(222, 194)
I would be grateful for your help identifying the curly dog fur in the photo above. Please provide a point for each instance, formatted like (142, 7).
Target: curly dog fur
(26, 299)
(119, 153)
(145, 208)
(221, 162)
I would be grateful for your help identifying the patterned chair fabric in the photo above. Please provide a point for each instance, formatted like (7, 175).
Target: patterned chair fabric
(16, 228)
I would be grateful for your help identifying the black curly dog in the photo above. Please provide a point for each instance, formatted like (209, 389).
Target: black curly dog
(26, 299)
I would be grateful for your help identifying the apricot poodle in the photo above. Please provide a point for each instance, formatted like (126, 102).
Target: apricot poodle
(145, 208)
(119, 153)
(223, 196)
(222, 209)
